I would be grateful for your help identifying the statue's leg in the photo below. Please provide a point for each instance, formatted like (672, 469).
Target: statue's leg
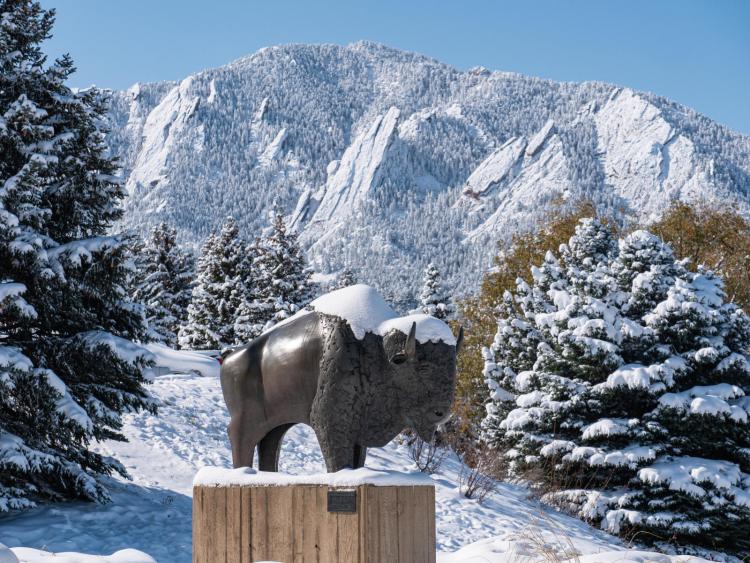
(334, 436)
(338, 458)
(243, 444)
(270, 447)
(339, 405)
(337, 449)
(360, 453)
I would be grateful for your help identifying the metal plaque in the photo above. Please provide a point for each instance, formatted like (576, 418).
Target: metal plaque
(342, 501)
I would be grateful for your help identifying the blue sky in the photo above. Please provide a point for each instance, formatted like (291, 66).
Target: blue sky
(695, 52)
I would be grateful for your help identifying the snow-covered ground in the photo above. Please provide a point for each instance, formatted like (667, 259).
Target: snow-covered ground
(152, 513)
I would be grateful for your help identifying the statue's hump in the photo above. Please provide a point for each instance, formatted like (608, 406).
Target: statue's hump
(365, 311)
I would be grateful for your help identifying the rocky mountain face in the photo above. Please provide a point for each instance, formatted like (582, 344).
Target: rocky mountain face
(386, 160)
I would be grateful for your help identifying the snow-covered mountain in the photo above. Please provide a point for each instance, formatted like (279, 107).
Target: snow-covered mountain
(386, 160)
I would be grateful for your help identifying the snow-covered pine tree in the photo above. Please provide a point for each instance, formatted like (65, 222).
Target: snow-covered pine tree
(200, 330)
(251, 320)
(434, 299)
(68, 366)
(254, 311)
(284, 281)
(619, 385)
(700, 479)
(220, 291)
(515, 345)
(163, 284)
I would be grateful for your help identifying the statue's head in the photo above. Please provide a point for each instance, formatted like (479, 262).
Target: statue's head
(424, 374)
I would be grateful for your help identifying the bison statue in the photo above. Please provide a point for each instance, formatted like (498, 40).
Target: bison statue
(349, 367)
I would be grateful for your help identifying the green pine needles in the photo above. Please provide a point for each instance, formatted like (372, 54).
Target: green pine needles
(68, 364)
(244, 288)
(618, 383)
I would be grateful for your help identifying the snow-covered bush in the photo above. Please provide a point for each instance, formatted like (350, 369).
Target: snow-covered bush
(618, 384)
(68, 366)
(164, 277)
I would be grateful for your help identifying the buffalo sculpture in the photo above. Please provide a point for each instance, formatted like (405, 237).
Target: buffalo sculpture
(350, 368)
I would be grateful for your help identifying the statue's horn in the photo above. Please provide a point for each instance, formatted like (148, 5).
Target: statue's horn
(460, 338)
(410, 348)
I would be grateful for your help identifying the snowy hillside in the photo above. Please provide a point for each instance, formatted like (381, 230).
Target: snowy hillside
(385, 160)
(152, 513)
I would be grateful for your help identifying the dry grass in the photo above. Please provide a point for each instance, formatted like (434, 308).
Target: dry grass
(428, 457)
(480, 473)
(556, 546)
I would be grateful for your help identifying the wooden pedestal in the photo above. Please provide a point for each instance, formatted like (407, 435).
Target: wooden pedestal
(295, 523)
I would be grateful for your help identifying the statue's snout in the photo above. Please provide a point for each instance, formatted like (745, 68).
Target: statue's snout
(427, 423)
(438, 415)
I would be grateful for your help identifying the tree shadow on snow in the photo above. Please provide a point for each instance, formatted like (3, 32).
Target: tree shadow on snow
(152, 519)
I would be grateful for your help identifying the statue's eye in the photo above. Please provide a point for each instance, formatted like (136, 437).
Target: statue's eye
(398, 359)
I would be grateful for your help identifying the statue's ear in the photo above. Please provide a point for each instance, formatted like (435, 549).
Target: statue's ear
(460, 339)
(410, 348)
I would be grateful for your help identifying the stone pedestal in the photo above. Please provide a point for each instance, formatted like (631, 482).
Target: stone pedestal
(292, 523)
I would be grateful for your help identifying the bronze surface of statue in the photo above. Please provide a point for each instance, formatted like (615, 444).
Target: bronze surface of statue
(355, 390)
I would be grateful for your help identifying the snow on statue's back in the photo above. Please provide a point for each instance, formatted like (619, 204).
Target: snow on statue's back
(366, 311)
(351, 368)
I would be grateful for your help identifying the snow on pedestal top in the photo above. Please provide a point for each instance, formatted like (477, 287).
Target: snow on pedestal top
(366, 311)
(220, 476)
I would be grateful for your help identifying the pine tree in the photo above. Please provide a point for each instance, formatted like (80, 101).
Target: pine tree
(164, 283)
(434, 299)
(619, 385)
(251, 320)
(202, 330)
(220, 291)
(479, 313)
(254, 311)
(68, 366)
(284, 282)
